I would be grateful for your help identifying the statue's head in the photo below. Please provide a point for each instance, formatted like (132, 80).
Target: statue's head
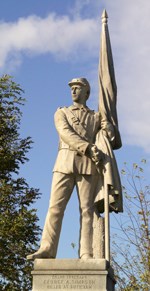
(80, 86)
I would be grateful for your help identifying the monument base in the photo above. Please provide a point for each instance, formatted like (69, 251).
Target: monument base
(72, 274)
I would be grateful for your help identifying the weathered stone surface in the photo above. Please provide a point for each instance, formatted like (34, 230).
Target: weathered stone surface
(98, 237)
(85, 157)
(75, 274)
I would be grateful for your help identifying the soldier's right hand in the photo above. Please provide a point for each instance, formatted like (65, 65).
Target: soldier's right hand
(95, 154)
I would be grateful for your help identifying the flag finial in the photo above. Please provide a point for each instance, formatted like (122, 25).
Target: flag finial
(104, 16)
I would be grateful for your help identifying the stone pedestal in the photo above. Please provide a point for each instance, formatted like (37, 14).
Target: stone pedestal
(72, 274)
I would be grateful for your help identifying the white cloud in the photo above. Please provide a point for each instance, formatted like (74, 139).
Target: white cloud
(130, 29)
(74, 37)
(60, 36)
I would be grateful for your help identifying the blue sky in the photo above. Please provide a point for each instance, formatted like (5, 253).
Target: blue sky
(44, 44)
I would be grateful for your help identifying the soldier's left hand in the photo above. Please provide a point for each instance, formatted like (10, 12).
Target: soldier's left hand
(108, 131)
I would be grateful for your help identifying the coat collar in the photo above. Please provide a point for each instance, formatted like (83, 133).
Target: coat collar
(80, 107)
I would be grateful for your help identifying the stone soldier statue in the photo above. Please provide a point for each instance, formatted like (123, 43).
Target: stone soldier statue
(77, 165)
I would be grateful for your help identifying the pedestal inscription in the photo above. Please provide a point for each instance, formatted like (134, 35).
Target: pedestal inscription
(69, 282)
(72, 275)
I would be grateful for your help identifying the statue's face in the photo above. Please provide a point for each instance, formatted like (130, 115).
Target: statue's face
(79, 93)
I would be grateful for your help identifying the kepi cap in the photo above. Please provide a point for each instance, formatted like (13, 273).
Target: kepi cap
(79, 81)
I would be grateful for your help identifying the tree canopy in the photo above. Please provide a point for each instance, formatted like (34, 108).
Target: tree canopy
(19, 232)
(131, 244)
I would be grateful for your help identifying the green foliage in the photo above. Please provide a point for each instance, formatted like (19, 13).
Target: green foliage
(18, 221)
(131, 245)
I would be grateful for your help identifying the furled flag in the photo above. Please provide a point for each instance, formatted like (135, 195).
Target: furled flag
(107, 82)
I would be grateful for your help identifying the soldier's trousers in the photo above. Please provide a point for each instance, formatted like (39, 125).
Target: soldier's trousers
(62, 188)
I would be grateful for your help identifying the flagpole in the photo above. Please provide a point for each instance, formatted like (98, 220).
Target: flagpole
(103, 71)
(107, 224)
(108, 111)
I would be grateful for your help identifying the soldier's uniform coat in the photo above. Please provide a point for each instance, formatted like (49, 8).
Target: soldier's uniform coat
(77, 127)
